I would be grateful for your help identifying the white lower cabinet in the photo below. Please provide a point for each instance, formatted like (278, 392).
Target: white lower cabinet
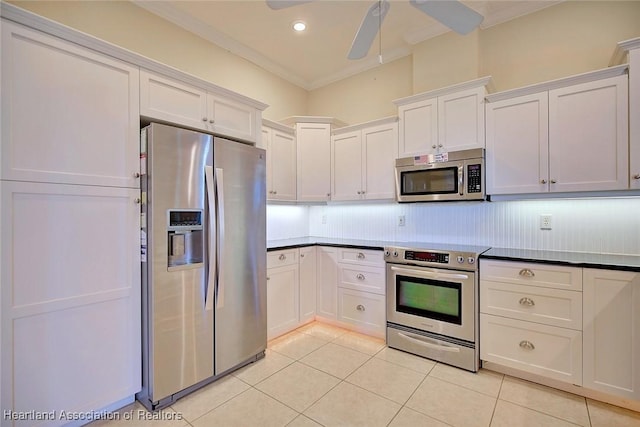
(283, 292)
(308, 289)
(612, 332)
(361, 290)
(70, 314)
(327, 283)
(531, 318)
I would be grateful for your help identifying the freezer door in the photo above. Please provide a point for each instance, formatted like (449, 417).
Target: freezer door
(179, 335)
(240, 294)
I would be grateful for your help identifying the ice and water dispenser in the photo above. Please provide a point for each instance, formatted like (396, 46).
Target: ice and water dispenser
(185, 239)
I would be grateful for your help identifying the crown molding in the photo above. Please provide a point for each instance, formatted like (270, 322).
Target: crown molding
(360, 126)
(622, 49)
(482, 81)
(517, 9)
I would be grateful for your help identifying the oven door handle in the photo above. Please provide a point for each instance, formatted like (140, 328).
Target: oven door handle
(440, 347)
(428, 275)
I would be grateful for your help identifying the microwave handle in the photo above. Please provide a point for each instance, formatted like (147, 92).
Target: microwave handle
(461, 179)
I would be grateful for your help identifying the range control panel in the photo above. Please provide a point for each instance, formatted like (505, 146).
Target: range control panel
(460, 260)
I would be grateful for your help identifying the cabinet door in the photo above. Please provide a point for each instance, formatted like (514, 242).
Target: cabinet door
(282, 300)
(327, 284)
(379, 151)
(346, 165)
(313, 142)
(70, 291)
(461, 120)
(518, 145)
(418, 128)
(612, 332)
(230, 118)
(168, 100)
(281, 166)
(588, 136)
(69, 114)
(365, 311)
(634, 118)
(307, 284)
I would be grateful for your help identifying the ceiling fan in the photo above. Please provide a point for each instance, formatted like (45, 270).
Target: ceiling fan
(452, 13)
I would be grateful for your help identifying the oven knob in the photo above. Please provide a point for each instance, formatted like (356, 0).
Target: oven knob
(395, 254)
(386, 254)
(460, 260)
(471, 260)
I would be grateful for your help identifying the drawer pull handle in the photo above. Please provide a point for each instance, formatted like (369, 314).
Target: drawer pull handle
(527, 301)
(360, 276)
(525, 272)
(527, 345)
(360, 307)
(282, 257)
(301, 255)
(360, 255)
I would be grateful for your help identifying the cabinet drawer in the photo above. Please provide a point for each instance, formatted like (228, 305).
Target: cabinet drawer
(555, 307)
(540, 349)
(362, 309)
(361, 278)
(282, 258)
(361, 257)
(545, 275)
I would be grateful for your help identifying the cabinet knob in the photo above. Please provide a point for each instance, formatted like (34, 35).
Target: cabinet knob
(525, 272)
(204, 119)
(439, 145)
(526, 301)
(360, 307)
(359, 192)
(360, 276)
(268, 278)
(543, 181)
(137, 200)
(553, 181)
(328, 194)
(282, 257)
(211, 121)
(636, 176)
(275, 192)
(433, 146)
(527, 345)
(360, 255)
(136, 174)
(301, 255)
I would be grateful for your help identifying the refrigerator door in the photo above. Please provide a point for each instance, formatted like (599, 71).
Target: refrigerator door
(180, 330)
(240, 295)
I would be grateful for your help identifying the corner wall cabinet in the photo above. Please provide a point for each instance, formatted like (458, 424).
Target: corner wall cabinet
(632, 47)
(442, 120)
(280, 143)
(572, 137)
(70, 254)
(169, 100)
(363, 161)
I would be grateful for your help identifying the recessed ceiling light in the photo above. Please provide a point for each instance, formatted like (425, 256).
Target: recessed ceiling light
(299, 26)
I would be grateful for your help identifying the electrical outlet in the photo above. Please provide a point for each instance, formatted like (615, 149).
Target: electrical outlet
(401, 221)
(545, 222)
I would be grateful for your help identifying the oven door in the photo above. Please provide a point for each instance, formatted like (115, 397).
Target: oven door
(432, 300)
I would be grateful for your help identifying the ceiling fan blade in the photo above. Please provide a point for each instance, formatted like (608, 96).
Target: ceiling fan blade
(282, 4)
(452, 13)
(368, 29)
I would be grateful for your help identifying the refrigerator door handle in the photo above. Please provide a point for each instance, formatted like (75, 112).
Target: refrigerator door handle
(219, 180)
(212, 271)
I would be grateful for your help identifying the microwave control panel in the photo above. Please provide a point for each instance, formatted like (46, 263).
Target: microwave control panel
(474, 178)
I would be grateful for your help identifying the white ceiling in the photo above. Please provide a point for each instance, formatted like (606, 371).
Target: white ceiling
(250, 29)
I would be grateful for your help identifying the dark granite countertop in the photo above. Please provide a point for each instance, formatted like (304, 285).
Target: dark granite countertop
(574, 259)
(298, 242)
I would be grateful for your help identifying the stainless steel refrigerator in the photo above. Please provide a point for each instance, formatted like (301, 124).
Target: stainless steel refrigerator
(203, 243)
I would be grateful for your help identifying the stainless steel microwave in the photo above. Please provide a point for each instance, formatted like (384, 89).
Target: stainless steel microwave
(457, 175)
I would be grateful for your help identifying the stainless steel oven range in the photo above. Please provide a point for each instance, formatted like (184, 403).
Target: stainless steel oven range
(432, 301)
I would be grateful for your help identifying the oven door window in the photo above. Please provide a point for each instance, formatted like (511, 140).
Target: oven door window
(433, 299)
(429, 181)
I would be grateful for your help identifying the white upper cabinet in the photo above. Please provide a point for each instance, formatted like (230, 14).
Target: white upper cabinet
(69, 115)
(363, 159)
(634, 115)
(172, 101)
(313, 145)
(443, 120)
(280, 144)
(572, 137)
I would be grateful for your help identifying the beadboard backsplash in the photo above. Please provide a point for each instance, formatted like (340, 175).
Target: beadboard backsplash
(603, 225)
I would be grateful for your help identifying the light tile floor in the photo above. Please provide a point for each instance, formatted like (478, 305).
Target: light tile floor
(320, 375)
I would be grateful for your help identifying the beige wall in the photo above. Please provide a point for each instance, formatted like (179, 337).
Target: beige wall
(569, 38)
(124, 24)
